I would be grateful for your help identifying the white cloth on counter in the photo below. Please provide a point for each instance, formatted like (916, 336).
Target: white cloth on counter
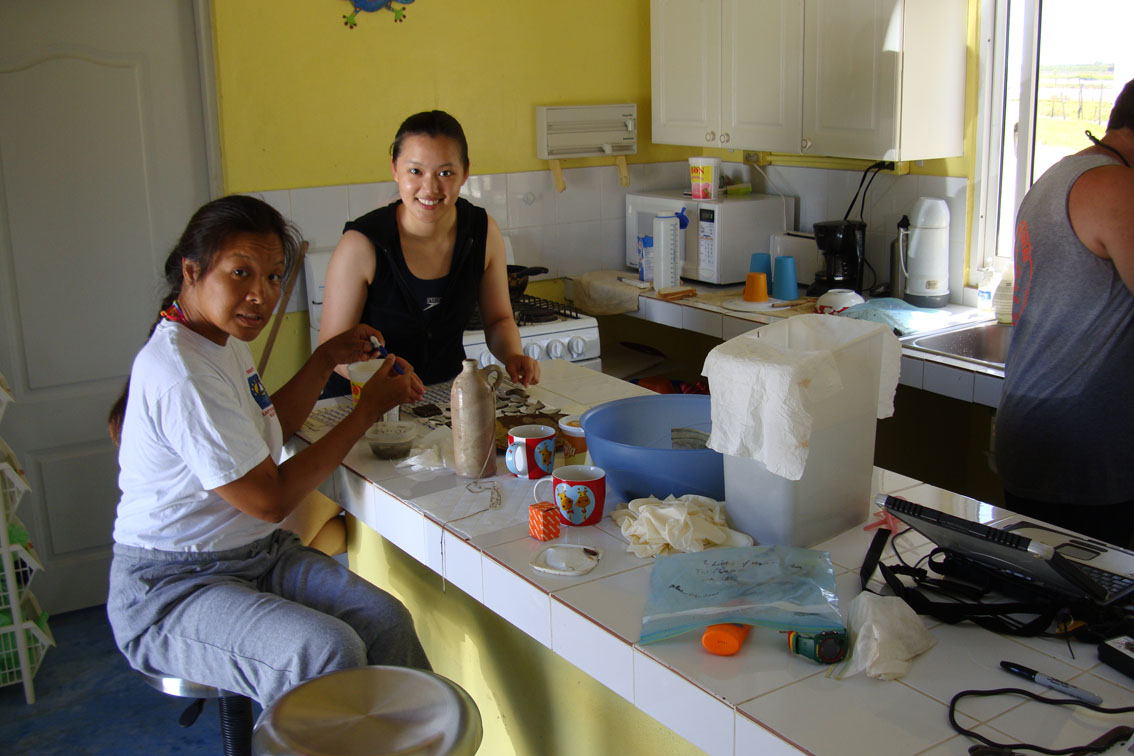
(433, 451)
(600, 292)
(885, 635)
(688, 523)
(767, 382)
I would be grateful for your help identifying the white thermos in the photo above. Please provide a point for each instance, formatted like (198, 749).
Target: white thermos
(926, 258)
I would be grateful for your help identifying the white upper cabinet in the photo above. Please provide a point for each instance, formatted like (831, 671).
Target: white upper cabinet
(726, 73)
(876, 79)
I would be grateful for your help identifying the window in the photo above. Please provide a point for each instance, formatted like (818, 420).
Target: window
(1049, 71)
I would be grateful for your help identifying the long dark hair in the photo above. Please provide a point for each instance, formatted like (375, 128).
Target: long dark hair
(432, 123)
(207, 232)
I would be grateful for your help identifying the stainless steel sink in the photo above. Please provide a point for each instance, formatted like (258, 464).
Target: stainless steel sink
(982, 343)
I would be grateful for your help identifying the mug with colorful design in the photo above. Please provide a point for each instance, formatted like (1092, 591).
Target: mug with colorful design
(531, 451)
(578, 492)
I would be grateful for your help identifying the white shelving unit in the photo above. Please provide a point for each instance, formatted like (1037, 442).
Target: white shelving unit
(24, 635)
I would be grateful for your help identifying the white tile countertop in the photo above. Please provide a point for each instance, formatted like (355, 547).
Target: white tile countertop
(705, 313)
(762, 700)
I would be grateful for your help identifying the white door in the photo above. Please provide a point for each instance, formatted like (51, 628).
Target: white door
(762, 74)
(851, 77)
(102, 159)
(685, 56)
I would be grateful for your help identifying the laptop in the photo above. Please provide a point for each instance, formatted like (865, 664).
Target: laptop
(1041, 554)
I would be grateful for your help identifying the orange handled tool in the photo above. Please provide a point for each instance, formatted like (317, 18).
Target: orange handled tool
(724, 639)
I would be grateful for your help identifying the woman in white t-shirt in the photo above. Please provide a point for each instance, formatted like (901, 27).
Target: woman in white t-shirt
(204, 583)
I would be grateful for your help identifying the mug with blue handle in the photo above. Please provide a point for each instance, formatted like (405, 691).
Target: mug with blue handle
(531, 451)
(578, 493)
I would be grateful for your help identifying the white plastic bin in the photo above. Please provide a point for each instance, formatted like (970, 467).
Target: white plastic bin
(834, 492)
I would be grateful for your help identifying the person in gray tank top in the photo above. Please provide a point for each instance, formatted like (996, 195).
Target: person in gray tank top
(1062, 429)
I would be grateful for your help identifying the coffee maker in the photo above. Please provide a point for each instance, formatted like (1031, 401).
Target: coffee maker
(843, 244)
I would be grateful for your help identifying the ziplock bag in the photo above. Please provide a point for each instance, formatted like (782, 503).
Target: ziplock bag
(780, 587)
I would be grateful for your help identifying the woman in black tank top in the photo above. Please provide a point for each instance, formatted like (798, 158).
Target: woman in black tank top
(416, 268)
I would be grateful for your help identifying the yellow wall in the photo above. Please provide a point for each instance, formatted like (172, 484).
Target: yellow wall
(532, 702)
(305, 101)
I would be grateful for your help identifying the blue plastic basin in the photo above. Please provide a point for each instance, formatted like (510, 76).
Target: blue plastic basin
(631, 440)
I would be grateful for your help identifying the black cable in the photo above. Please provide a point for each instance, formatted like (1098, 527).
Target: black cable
(862, 203)
(879, 165)
(1008, 747)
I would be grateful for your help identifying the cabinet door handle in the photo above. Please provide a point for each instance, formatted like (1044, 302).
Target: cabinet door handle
(724, 138)
(711, 136)
(805, 144)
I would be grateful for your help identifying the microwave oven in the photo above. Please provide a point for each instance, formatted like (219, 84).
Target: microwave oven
(722, 234)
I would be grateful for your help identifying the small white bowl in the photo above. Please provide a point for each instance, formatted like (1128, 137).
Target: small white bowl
(390, 440)
(837, 300)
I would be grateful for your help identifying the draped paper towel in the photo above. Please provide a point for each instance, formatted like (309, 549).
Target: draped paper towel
(763, 392)
(600, 292)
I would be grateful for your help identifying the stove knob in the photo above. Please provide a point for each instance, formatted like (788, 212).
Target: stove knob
(576, 346)
(556, 349)
(535, 351)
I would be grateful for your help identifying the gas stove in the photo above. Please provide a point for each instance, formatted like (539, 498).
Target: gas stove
(548, 331)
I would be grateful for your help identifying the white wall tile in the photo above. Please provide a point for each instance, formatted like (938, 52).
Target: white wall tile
(912, 372)
(593, 649)
(647, 177)
(523, 604)
(491, 193)
(948, 381)
(280, 200)
(578, 249)
(703, 720)
(841, 186)
(462, 565)
(531, 199)
(612, 243)
(534, 245)
(582, 199)
(320, 213)
(807, 185)
(362, 198)
(613, 199)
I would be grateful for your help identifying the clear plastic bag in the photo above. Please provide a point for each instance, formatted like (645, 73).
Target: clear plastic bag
(779, 587)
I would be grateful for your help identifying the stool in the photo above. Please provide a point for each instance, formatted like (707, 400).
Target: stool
(371, 711)
(235, 710)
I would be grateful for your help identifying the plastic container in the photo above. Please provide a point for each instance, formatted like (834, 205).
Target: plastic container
(1002, 300)
(646, 259)
(667, 252)
(633, 440)
(390, 440)
(833, 494)
(360, 373)
(574, 440)
(704, 176)
(986, 289)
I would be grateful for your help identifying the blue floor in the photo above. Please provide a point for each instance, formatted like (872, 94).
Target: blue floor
(89, 702)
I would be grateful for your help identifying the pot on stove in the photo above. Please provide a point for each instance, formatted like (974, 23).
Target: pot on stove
(518, 278)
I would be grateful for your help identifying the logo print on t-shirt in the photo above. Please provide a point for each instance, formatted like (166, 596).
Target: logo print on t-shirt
(431, 302)
(259, 393)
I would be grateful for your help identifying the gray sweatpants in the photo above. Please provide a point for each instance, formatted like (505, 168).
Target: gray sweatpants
(255, 620)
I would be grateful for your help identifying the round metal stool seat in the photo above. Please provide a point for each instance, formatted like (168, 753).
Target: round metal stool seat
(235, 710)
(371, 711)
(177, 686)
